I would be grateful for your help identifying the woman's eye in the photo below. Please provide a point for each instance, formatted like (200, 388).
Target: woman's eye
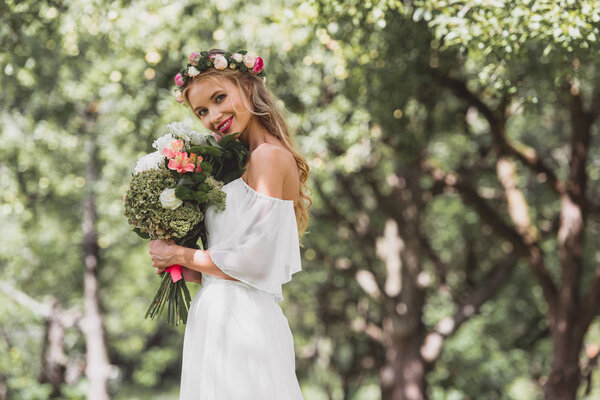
(218, 99)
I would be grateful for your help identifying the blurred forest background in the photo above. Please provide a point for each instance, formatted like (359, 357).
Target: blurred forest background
(453, 249)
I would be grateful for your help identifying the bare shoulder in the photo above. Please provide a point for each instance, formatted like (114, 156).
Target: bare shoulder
(273, 155)
(272, 171)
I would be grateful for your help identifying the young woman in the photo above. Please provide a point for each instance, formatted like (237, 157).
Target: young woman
(238, 344)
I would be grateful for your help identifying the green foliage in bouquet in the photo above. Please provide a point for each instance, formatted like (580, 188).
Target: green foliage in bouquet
(144, 209)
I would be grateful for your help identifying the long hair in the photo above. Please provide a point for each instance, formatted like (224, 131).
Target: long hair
(272, 118)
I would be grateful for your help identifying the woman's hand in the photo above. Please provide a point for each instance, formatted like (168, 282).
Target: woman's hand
(163, 253)
(189, 275)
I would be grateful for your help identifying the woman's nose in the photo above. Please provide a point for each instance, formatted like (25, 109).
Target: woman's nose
(213, 118)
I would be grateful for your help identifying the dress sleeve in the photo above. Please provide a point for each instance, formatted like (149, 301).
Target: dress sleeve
(261, 248)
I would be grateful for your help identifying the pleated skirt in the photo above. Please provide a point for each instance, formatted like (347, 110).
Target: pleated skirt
(237, 346)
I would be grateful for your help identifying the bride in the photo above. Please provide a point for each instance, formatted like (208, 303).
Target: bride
(237, 343)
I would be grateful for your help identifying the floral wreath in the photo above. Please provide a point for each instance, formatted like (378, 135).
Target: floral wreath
(201, 60)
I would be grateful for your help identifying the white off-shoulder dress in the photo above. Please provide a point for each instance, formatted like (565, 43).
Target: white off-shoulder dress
(238, 344)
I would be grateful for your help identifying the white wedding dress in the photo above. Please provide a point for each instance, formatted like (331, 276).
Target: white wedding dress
(238, 344)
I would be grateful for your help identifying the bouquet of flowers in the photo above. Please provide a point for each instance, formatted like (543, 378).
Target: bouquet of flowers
(169, 192)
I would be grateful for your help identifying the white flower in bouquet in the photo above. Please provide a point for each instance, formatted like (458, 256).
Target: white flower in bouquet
(197, 138)
(187, 134)
(169, 200)
(162, 142)
(149, 161)
(179, 130)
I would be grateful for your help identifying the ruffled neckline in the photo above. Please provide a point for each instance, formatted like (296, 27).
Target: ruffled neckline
(258, 194)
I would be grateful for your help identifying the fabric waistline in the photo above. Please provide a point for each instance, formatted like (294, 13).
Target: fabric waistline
(209, 279)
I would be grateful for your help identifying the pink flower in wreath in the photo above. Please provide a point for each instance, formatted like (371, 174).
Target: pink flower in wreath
(258, 65)
(179, 97)
(193, 57)
(179, 80)
(174, 148)
(181, 163)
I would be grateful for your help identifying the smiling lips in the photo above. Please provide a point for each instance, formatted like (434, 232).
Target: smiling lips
(225, 125)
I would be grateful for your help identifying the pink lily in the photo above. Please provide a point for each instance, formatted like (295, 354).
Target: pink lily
(174, 148)
(196, 160)
(181, 163)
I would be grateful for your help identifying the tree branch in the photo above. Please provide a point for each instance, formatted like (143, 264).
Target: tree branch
(42, 309)
(488, 286)
(525, 154)
(530, 250)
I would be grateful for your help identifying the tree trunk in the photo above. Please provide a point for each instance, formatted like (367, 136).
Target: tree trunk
(403, 374)
(97, 364)
(54, 360)
(569, 320)
(565, 375)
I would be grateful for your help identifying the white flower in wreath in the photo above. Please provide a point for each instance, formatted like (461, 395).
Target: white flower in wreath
(237, 57)
(169, 200)
(193, 71)
(220, 62)
(249, 61)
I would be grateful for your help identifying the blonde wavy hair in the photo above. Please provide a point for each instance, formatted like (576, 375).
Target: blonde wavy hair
(272, 118)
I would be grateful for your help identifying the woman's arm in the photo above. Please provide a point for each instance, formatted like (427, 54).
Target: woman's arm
(191, 276)
(165, 252)
(199, 260)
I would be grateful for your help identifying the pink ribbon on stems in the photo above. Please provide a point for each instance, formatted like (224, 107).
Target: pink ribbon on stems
(175, 271)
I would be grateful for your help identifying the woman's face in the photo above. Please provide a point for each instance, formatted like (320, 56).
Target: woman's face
(219, 106)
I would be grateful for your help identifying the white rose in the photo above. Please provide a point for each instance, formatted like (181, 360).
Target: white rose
(220, 62)
(249, 61)
(169, 200)
(193, 71)
(150, 161)
(237, 57)
(162, 142)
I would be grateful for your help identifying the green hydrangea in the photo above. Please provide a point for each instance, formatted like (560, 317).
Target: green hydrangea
(144, 210)
(216, 197)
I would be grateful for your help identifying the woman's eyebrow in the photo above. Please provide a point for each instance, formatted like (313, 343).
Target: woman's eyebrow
(211, 97)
